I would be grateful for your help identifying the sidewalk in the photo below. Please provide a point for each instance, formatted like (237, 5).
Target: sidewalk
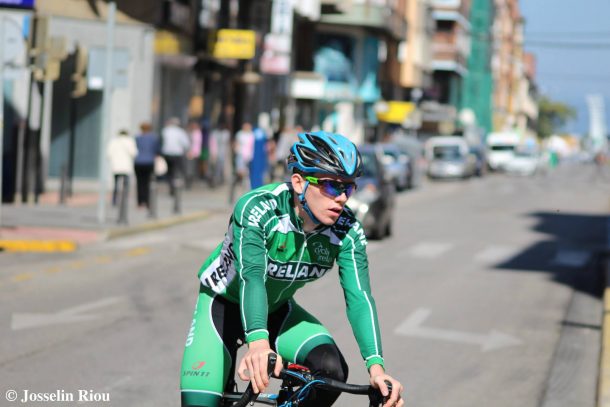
(50, 226)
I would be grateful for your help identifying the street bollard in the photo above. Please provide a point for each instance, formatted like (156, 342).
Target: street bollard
(123, 198)
(178, 188)
(152, 198)
(63, 184)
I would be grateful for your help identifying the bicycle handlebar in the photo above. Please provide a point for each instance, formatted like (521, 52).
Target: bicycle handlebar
(374, 394)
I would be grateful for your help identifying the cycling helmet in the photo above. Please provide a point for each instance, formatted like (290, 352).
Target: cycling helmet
(327, 153)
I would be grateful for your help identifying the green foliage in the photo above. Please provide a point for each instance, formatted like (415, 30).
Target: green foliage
(552, 116)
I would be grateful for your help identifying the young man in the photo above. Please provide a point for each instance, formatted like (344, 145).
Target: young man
(280, 237)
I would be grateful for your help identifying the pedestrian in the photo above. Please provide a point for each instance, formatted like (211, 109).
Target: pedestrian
(204, 155)
(148, 148)
(281, 237)
(174, 145)
(193, 156)
(260, 163)
(220, 139)
(121, 152)
(244, 150)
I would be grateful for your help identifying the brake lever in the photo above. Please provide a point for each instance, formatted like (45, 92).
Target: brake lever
(377, 399)
(386, 398)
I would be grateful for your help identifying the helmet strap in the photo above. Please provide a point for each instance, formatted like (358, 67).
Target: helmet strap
(303, 202)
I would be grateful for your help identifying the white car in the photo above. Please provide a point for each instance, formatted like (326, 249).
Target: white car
(523, 163)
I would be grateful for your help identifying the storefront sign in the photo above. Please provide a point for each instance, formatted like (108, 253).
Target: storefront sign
(276, 55)
(281, 17)
(307, 85)
(235, 44)
(17, 3)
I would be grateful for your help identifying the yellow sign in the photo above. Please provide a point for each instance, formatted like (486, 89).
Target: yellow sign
(396, 111)
(168, 43)
(234, 44)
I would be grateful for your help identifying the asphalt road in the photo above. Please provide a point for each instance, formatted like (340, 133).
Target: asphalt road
(488, 295)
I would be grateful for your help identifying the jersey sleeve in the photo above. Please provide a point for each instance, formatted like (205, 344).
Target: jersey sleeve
(360, 305)
(251, 266)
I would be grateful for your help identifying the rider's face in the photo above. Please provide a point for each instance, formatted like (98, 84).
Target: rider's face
(322, 198)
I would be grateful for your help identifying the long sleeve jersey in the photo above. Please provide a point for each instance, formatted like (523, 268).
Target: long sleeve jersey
(266, 257)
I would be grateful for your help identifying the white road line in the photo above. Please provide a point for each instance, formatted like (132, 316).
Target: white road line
(571, 258)
(494, 254)
(203, 244)
(414, 326)
(429, 250)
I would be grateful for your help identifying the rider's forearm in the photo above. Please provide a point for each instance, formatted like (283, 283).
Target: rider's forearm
(376, 370)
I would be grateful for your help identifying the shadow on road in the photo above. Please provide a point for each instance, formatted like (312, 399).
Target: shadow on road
(574, 253)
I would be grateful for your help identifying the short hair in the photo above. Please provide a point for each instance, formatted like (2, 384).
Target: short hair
(145, 127)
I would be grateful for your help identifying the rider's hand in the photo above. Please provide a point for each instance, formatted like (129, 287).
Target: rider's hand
(378, 378)
(253, 366)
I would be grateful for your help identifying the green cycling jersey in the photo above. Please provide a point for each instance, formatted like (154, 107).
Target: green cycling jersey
(266, 257)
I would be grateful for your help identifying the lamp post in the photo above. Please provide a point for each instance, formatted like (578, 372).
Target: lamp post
(106, 109)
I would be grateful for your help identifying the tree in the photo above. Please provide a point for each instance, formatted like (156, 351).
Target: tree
(552, 115)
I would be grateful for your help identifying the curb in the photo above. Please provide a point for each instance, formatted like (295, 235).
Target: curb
(603, 387)
(50, 245)
(119, 232)
(603, 391)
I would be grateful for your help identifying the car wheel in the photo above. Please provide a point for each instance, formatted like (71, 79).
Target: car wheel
(388, 228)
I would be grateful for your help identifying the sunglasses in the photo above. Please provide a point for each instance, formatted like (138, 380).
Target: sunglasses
(333, 188)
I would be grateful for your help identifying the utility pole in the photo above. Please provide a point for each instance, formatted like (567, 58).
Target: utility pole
(106, 107)
(1, 112)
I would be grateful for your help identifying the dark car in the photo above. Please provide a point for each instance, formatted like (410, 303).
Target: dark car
(374, 199)
(415, 150)
(397, 166)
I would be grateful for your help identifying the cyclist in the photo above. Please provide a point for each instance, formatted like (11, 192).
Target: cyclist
(280, 237)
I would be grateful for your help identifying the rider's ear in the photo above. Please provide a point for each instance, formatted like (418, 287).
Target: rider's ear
(298, 183)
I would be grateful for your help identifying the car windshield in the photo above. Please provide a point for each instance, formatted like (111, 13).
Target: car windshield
(446, 152)
(503, 148)
(369, 169)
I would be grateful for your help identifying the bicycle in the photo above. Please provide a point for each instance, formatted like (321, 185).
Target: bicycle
(297, 382)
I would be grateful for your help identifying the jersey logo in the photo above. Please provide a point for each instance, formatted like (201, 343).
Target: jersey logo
(322, 253)
(289, 272)
(259, 210)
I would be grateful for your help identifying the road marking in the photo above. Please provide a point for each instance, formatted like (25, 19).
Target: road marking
(138, 251)
(429, 250)
(572, 258)
(412, 326)
(69, 315)
(38, 245)
(54, 269)
(494, 254)
(22, 277)
(105, 259)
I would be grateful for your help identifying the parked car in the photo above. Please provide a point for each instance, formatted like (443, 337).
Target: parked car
(396, 164)
(414, 148)
(374, 200)
(525, 163)
(449, 157)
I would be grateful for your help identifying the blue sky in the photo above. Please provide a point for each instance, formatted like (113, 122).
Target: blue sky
(567, 73)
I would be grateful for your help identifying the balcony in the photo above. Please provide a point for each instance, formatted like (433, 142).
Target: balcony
(447, 4)
(375, 16)
(448, 54)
